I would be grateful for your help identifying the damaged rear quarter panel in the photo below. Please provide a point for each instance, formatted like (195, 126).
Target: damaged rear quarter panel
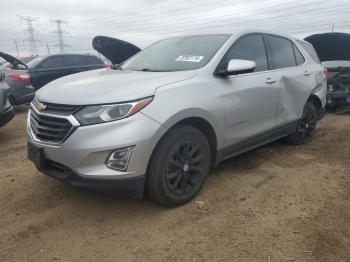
(294, 90)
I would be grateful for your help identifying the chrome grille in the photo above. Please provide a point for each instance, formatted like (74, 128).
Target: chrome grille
(56, 109)
(50, 129)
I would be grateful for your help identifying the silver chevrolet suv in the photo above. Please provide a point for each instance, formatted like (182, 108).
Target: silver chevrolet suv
(156, 123)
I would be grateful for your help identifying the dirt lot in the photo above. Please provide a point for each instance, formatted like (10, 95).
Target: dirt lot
(276, 203)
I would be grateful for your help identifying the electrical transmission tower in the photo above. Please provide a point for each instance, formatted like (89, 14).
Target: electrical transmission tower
(30, 30)
(60, 32)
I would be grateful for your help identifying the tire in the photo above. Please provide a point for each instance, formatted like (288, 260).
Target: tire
(306, 127)
(179, 166)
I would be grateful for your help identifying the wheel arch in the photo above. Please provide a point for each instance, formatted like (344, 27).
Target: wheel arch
(202, 125)
(316, 101)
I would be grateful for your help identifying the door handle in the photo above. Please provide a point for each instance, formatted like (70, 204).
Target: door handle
(307, 73)
(270, 80)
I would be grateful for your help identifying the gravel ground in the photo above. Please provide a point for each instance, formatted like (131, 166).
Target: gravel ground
(275, 203)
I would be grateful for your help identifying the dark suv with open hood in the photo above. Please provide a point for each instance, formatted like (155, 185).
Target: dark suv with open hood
(333, 50)
(44, 69)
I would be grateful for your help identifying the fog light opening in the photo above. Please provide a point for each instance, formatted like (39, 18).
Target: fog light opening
(119, 159)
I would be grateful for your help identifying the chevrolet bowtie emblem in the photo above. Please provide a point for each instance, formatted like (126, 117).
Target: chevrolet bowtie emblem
(40, 106)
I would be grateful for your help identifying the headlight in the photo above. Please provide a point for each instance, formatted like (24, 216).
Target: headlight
(105, 113)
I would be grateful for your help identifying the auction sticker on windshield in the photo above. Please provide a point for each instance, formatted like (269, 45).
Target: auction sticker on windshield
(189, 58)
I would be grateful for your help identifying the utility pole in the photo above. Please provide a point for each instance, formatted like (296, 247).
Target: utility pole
(30, 30)
(48, 48)
(60, 32)
(332, 28)
(16, 45)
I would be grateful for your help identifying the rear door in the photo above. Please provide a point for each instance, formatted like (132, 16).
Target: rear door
(294, 82)
(49, 69)
(250, 98)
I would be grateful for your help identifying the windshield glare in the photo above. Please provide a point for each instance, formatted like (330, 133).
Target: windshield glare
(177, 54)
(34, 62)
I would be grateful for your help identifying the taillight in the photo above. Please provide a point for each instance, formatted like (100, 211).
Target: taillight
(24, 78)
(325, 72)
(106, 65)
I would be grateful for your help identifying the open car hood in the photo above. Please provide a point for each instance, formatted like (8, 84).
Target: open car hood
(331, 46)
(12, 60)
(116, 50)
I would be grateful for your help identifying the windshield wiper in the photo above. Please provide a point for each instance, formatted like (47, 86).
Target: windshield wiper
(153, 70)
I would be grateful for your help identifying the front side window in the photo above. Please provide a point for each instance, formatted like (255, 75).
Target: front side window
(53, 62)
(36, 61)
(177, 54)
(282, 54)
(250, 47)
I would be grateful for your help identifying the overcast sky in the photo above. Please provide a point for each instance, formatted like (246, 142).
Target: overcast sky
(144, 21)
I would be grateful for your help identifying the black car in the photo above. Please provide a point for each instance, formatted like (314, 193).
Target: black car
(44, 69)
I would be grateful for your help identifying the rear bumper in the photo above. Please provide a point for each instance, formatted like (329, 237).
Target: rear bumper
(6, 116)
(20, 93)
(338, 98)
(25, 99)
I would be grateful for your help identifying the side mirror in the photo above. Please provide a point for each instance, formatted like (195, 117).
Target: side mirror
(238, 66)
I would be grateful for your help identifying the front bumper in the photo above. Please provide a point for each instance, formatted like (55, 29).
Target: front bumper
(132, 187)
(6, 116)
(83, 155)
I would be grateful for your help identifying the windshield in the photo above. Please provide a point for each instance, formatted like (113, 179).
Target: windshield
(35, 62)
(177, 54)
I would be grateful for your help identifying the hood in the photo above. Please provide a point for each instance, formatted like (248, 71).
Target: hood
(331, 46)
(14, 61)
(105, 86)
(116, 50)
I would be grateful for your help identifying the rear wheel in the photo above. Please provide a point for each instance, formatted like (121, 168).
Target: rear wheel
(306, 127)
(179, 166)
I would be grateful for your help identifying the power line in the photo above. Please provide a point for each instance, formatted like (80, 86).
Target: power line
(60, 32)
(16, 45)
(48, 48)
(30, 30)
(293, 20)
(268, 17)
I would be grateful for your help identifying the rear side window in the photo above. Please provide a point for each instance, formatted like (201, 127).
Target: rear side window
(74, 60)
(91, 60)
(52, 62)
(250, 47)
(282, 54)
(298, 56)
(311, 51)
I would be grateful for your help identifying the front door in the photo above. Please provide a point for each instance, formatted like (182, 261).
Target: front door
(250, 99)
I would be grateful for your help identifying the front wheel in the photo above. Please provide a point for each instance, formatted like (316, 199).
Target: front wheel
(306, 127)
(179, 166)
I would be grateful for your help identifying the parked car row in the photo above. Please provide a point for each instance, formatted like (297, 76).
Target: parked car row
(158, 121)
